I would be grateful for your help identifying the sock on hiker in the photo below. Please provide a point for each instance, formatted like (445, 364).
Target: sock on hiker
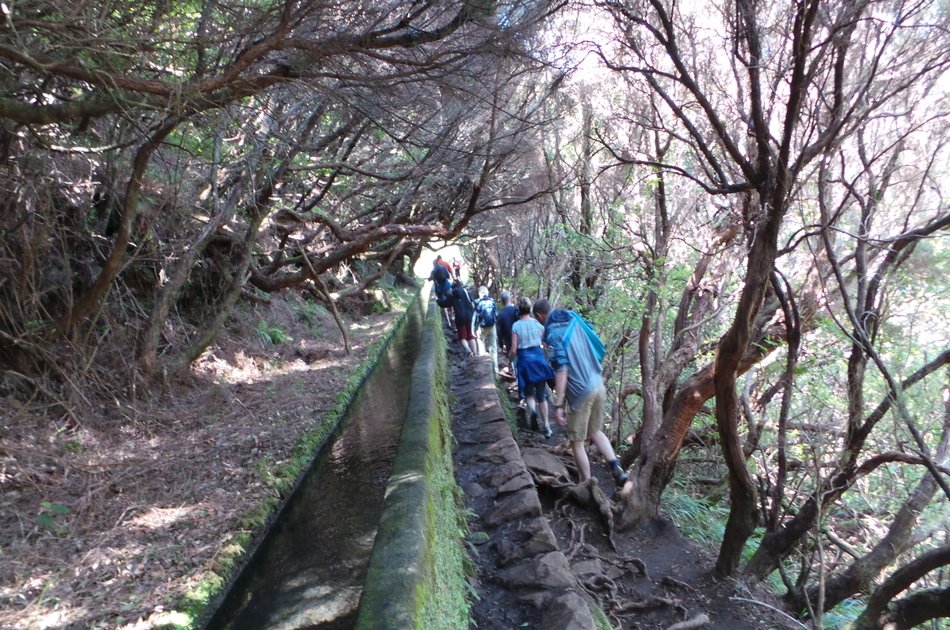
(617, 472)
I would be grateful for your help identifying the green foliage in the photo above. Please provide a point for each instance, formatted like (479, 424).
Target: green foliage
(843, 615)
(52, 517)
(193, 141)
(311, 312)
(510, 414)
(704, 521)
(527, 283)
(271, 334)
(601, 622)
(697, 519)
(263, 469)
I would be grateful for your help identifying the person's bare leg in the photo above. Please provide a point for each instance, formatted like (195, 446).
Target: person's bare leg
(532, 404)
(602, 442)
(580, 458)
(607, 452)
(532, 412)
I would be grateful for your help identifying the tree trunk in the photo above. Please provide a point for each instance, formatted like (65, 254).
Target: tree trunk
(860, 573)
(743, 516)
(179, 270)
(581, 271)
(871, 618)
(917, 608)
(656, 463)
(117, 257)
(777, 544)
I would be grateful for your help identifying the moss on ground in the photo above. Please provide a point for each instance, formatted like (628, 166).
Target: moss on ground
(511, 415)
(601, 622)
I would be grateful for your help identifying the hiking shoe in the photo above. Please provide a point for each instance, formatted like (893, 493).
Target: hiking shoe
(620, 477)
(548, 432)
(533, 423)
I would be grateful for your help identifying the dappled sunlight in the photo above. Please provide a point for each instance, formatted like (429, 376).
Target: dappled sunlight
(61, 617)
(157, 488)
(397, 482)
(255, 369)
(214, 213)
(156, 517)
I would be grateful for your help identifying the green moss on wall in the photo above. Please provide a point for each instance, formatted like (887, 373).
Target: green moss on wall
(510, 414)
(444, 585)
(419, 568)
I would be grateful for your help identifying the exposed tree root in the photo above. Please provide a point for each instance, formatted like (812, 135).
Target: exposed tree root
(644, 604)
(587, 494)
(623, 564)
(599, 584)
(669, 581)
(698, 621)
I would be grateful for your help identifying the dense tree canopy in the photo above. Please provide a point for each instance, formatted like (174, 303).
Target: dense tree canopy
(180, 154)
(748, 199)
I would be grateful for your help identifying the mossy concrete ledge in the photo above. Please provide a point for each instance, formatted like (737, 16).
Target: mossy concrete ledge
(417, 570)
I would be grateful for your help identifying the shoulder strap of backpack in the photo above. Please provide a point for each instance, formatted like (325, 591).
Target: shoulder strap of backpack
(570, 331)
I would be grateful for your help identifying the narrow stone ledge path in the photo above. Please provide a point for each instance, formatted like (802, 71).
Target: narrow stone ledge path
(524, 579)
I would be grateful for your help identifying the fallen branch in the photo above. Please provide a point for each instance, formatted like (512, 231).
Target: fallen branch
(769, 606)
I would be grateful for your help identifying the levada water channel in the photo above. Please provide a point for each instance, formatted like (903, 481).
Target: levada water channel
(308, 571)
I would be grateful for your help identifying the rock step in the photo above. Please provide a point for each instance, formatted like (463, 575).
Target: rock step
(523, 577)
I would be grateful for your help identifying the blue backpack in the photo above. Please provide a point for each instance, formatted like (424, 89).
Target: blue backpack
(486, 311)
(579, 322)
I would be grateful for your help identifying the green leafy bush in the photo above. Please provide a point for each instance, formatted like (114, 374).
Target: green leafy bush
(271, 334)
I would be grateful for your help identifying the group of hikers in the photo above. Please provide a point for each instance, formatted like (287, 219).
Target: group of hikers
(546, 349)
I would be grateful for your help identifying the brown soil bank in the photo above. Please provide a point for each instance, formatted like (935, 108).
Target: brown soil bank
(110, 518)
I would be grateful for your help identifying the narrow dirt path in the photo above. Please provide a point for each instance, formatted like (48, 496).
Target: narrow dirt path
(544, 547)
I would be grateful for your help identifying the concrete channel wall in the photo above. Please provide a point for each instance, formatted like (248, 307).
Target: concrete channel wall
(416, 576)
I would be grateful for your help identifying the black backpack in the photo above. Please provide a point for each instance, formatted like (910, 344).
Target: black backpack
(440, 274)
(486, 311)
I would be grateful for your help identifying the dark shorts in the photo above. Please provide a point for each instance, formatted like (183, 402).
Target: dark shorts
(539, 391)
(464, 331)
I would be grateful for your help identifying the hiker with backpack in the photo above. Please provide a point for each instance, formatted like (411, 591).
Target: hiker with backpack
(575, 352)
(506, 318)
(486, 313)
(442, 284)
(532, 368)
(464, 317)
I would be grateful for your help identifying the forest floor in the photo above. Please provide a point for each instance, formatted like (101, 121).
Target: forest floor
(109, 516)
(111, 513)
